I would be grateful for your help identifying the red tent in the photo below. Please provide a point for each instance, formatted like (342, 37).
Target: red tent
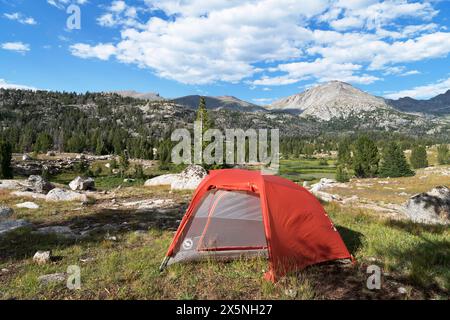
(239, 212)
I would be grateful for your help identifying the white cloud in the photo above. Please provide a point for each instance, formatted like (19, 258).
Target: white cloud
(61, 4)
(16, 46)
(321, 69)
(100, 51)
(17, 16)
(5, 85)
(423, 92)
(271, 42)
(120, 14)
(373, 14)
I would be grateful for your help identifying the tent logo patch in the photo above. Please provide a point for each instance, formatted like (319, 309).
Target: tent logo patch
(187, 244)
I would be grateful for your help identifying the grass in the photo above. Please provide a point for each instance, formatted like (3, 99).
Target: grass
(411, 255)
(312, 170)
(393, 190)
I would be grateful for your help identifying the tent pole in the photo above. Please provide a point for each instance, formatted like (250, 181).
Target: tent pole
(164, 264)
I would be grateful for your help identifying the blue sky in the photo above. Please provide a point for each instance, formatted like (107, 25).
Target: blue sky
(255, 50)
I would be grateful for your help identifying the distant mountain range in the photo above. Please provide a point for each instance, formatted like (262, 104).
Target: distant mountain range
(331, 100)
(439, 105)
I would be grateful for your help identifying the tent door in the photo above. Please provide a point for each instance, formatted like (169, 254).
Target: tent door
(234, 222)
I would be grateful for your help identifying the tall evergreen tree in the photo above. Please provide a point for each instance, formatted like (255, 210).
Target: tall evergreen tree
(394, 162)
(6, 171)
(366, 157)
(344, 152)
(202, 115)
(419, 157)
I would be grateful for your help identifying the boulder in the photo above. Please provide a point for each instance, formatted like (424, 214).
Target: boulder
(80, 183)
(39, 184)
(27, 205)
(165, 179)
(58, 194)
(11, 225)
(188, 179)
(42, 257)
(431, 207)
(5, 212)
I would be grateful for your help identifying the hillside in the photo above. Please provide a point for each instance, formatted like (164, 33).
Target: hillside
(216, 103)
(105, 123)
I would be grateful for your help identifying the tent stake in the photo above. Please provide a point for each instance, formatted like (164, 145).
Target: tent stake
(163, 264)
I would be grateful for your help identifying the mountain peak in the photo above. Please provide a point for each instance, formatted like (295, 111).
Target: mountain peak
(333, 99)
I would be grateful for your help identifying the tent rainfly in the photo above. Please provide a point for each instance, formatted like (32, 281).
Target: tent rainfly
(236, 213)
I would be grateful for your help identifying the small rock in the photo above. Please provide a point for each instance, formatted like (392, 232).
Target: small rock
(305, 184)
(80, 183)
(42, 257)
(4, 270)
(26, 157)
(128, 180)
(50, 154)
(39, 184)
(80, 157)
(402, 290)
(5, 212)
(52, 278)
(27, 205)
(110, 238)
(292, 293)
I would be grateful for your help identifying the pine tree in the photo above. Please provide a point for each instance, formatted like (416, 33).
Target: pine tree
(443, 156)
(202, 115)
(344, 152)
(394, 162)
(124, 163)
(6, 171)
(366, 157)
(44, 142)
(419, 157)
